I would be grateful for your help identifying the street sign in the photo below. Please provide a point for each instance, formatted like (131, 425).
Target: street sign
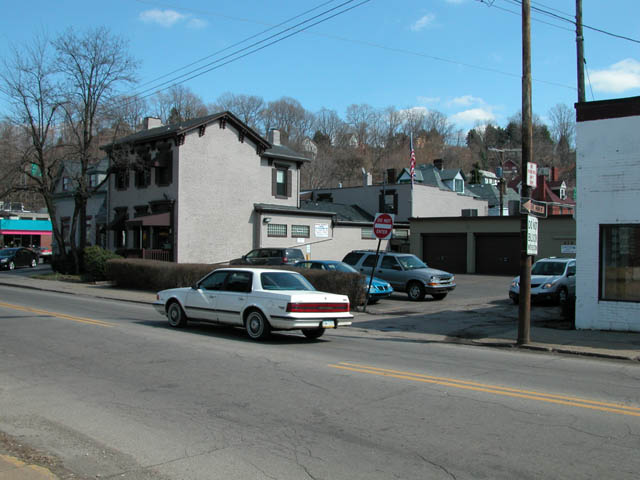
(383, 226)
(532, 235)
(533, 207)
(532, 174)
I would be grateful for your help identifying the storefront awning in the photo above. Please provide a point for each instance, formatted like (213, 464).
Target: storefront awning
(157, 220)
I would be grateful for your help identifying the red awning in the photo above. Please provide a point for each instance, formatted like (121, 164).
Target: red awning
(157, 220)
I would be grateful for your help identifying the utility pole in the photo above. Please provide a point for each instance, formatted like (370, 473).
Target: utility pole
(524, 312)
(580, 49)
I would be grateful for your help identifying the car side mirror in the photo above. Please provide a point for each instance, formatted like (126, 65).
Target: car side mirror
(195, 286)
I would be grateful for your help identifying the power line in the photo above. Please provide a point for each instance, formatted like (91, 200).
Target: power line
(238, 57)
(572, 21)
(230, 46)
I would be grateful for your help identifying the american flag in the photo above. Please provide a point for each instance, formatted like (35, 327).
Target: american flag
(412, 163)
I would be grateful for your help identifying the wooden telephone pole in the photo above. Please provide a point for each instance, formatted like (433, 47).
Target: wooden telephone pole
(524, 312)
(580, 51)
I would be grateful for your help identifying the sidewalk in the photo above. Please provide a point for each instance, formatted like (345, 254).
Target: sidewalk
(492, 324)
(13, 469)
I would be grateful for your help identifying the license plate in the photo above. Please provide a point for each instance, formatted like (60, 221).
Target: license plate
(328, 324)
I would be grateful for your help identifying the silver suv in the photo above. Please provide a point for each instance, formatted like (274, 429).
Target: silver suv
(405, 273)
(551, 279)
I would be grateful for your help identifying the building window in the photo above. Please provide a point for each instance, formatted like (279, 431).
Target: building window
(276, 230)
(620, 263)
(366, 233)
(65, 228)
(122, 179)
(459, 185)
(281, 182)
(300, 231)
(164, 168)
(66, 184)
(143, 176)
(403, 234)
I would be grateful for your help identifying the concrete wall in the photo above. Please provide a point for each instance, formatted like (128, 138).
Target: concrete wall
(220, 180)
(553, 233)
(608, 178)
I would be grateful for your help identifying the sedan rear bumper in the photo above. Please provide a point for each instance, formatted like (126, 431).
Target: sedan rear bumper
(288, 323)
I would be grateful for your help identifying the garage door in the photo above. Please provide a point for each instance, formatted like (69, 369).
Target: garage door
(498, 253)
(447, 252)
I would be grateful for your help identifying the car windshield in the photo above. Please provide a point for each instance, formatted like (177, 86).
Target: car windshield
(340, 267)
(411, 262)
(5, 252)
(548, 268)
(284, 281)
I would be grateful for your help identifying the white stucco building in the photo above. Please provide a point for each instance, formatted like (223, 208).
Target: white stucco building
(608, 218)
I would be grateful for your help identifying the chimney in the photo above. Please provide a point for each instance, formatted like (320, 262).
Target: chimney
(274, 136)
(151, 122)
(554, 174)
(391, 175)
(438, 163)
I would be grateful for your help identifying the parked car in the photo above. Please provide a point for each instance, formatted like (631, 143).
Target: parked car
(379, 288)
(551, 279)
(258, 299)
(43, 252)
(405, 272)
(11, 258)
(270, 256)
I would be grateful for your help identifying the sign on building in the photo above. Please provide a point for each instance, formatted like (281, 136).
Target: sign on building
(322, 230)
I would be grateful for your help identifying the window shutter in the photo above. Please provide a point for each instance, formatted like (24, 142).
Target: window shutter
(289, 183)
(274, 181)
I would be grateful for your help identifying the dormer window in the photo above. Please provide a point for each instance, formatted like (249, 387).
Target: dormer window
(458, 185)
(563, 193)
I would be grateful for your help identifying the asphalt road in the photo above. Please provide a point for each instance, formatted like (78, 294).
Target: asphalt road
(111, 390)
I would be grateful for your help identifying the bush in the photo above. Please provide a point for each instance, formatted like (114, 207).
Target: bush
(64, 264)
(95, 261)
(155, 275)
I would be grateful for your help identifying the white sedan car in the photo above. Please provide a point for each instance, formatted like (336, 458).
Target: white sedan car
(260, 300)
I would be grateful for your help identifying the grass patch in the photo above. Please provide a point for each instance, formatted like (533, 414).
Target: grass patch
(60, 277)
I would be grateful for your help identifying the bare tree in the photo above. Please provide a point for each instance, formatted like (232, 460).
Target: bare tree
(563, 128)
(247, 108)
(124, 114)
(94, 65)
(29, 81)
(177, 104)
(288, 115)
(359, 118)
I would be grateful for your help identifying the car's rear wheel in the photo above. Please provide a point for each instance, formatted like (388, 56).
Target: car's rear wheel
(34, 263)
(313, 333)
(515, 299)
(176, 316)
(415, 291)
(438, 296)
(12, 265)
(257, 325)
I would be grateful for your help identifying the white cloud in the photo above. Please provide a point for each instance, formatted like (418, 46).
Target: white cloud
(618, 78)
(165, 18)
(423, 22)
(169, 18)
(473, 116)
(466, 101)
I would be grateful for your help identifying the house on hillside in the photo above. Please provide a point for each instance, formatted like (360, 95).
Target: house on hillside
(434, 175)
(608, 219)
(507, 203)
(430, 198)
(550, 191)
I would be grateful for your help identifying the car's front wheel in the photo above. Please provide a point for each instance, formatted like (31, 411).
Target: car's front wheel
(313, 333)
(515, 299)
(415, 291)
(563, 296)
(176, 316)
(257, 325)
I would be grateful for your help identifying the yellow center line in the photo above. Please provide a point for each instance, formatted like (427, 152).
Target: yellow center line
(494, 389)
(89, 321)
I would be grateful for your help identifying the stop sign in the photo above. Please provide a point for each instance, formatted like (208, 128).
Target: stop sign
(383, 226)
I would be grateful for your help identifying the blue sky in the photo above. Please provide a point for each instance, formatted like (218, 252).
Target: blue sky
(460, 57)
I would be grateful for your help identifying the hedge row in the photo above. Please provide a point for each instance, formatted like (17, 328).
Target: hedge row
(156, 275)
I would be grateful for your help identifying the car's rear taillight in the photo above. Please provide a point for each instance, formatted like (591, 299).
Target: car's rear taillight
(317, 307)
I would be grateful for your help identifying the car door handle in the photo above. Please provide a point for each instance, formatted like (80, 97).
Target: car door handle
(240, 298)
(211, 296)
